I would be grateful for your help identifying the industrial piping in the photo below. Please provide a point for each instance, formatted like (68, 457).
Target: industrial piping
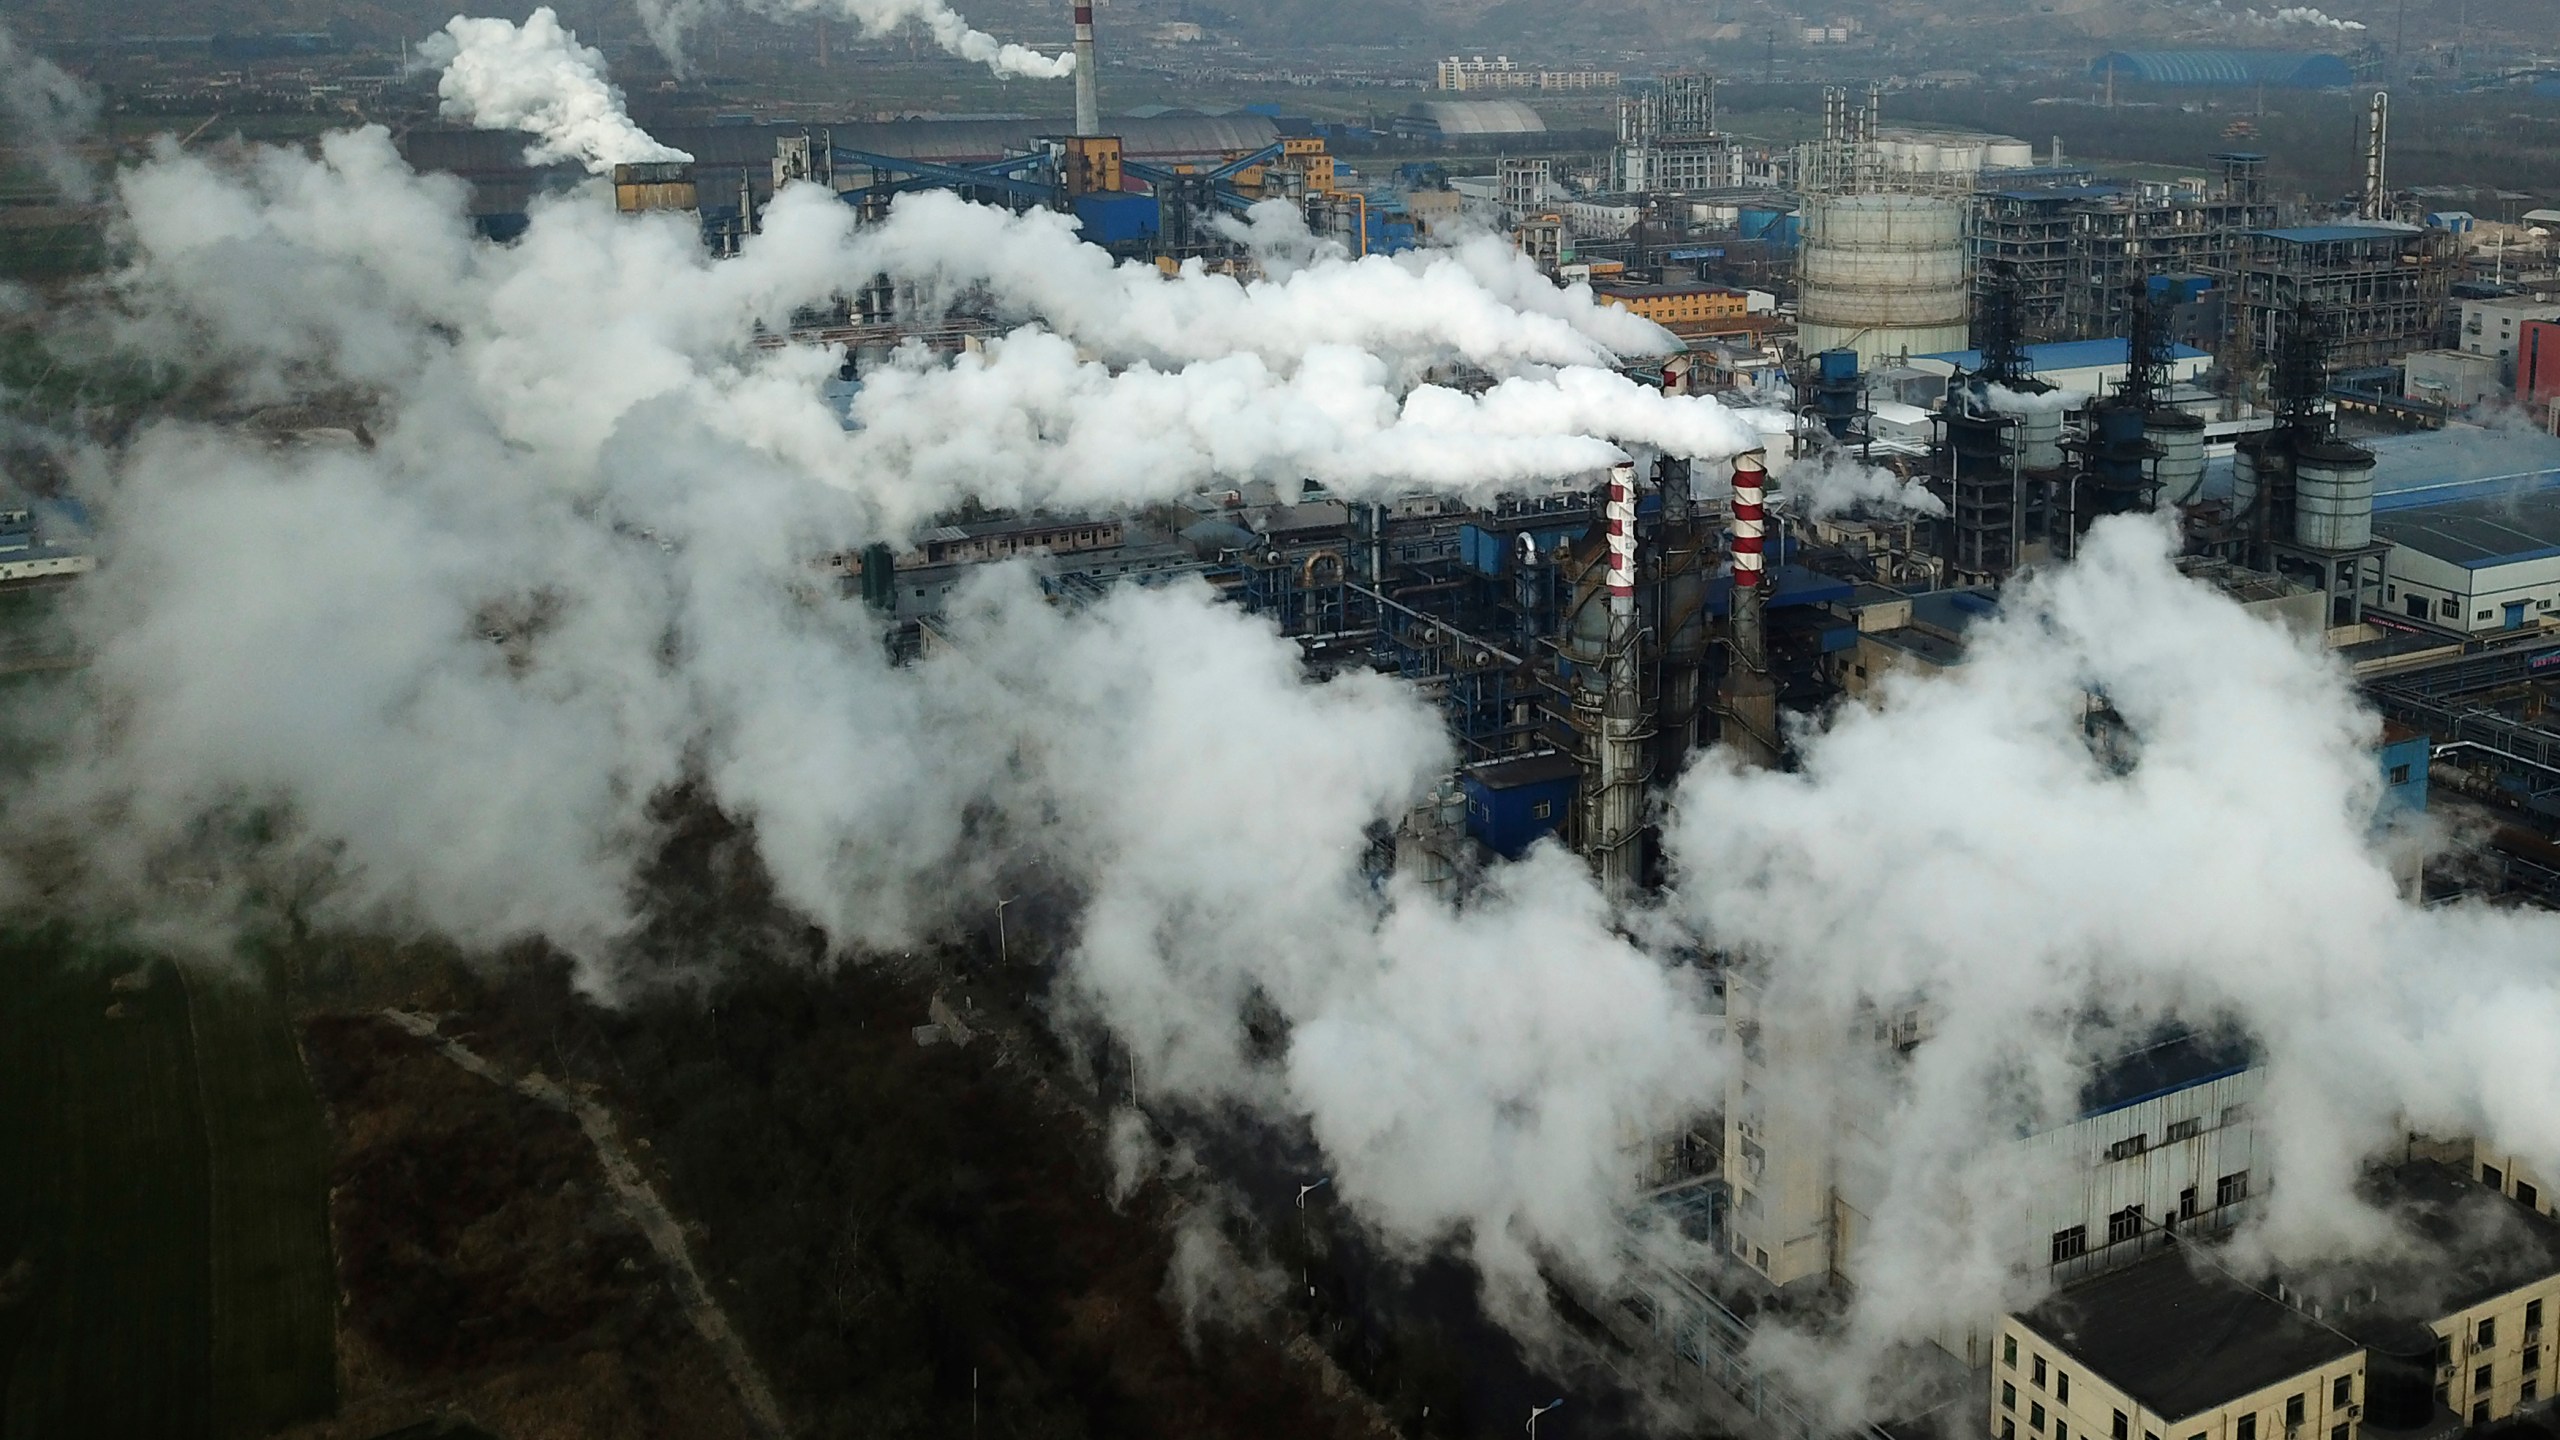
(1088, 83)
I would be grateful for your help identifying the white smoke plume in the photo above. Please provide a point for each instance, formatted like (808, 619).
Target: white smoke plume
(2007, 401)
(49, 112)
(1834, 482)
(2308, 16)
(536, 77)
(670, 21)
(575, 447)
(1961, 847)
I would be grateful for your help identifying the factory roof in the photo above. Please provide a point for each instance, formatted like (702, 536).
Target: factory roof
(2173, 1063)
(2327, 234)
(2181, 1338)
(1540, 769)
(1482, 117)
(2065, 355)
(2480, 532)
(2479, 1243)
(2225, 67)
(473, 153)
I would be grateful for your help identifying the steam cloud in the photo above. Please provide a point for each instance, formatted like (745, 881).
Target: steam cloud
(47, 110)
(669, 21)
(1834, 482)
(573, 446)
(537, 77)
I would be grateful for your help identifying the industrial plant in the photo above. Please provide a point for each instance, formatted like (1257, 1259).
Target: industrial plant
(1845, 418)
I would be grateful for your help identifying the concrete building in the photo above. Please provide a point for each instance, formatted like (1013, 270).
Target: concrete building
(28, 554)
(2496, 328)
(2537, 366)
(2448, 1334)
(2161, 1351)
(2454, 379)
(2484, 563)
(1674, 306)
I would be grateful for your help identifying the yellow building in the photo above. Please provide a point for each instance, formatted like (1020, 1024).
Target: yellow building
(1674, 305)
(2166, 1350)
(2173, 1347)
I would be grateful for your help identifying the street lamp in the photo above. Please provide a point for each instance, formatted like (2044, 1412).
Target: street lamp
(1537, 1410)
(1305, 1252)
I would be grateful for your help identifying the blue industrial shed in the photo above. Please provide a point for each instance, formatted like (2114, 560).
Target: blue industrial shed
(1511, 804)
(2285, 69)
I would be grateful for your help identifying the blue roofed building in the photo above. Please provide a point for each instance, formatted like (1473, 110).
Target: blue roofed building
(2285, 69)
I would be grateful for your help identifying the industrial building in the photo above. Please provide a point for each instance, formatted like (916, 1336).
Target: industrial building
(2253, 69)
(2181, 1344)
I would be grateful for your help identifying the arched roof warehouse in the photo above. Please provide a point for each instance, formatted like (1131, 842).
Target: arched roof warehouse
(2287, 69)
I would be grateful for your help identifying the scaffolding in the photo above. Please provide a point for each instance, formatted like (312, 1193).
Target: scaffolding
(2383, 288)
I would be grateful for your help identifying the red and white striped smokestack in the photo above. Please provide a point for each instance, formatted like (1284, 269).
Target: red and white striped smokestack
(1088, 84)
(1620, 512)
(1750, 524)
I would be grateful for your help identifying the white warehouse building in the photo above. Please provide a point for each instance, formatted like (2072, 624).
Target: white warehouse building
(2485, 563)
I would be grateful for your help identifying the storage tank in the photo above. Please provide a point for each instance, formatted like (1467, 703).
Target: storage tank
(2179, 472)
(1883, 275)
(2252, 455)
(2333, 496)
(2006, 153)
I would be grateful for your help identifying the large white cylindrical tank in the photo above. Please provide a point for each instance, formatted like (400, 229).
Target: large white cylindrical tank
(2008, 154)
(2333, 497)
(2040, 438)
(1883, 275)
(2179, 472)
(2247, 458)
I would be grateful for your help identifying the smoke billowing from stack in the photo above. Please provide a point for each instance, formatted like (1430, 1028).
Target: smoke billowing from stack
(670, 21)
(537, 77)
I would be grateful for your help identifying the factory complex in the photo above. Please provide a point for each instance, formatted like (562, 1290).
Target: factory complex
(2020, 347)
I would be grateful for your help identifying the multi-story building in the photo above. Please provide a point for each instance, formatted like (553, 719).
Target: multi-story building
(1474, 72)
(1679, 306)
(2537, 365)
(2496, 328)
(2071, 249)
(1667, 140)
(2380, 288)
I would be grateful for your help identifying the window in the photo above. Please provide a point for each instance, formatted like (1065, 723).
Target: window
(2231, 1189)
(2448, 607)
(2342, 1392)
(2444, 1349)
(2493, 1177)
(2124, 1427)
(2035, 1418)
(2008, 1428)
(2038, 1375)
(2529, 1391)
(2129, 1147)
(2399, 774)
(2484, 1378)
(2068, 1245)
(2532, 1359)
(2338, 1431)
(2234, 1114)
(2125, 1224)
(2479, 1412)
(2527, 1196)
(2008, 1396)
(2180, 1130)
(2488, 1332)
(2532, 1316)
(2061, 1384)
(2485, 614)
(2009, 1351)
(1761, 1259)
(2187, 1203)
(1545, 808)
(2292, 1411)
(2245, 1428)
(2060, 1430)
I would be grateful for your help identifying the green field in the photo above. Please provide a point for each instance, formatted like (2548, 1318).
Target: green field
(164, 1246)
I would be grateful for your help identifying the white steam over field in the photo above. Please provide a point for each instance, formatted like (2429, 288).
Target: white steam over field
(571, 440)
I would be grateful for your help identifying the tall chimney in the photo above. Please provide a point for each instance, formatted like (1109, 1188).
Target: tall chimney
(2376, 155)
(1618, 800)
(1750, 526)
(1088, 83)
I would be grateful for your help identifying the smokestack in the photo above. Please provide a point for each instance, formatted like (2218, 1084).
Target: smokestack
(2057, 152)
(1619, 813)
(1088, 83)
(2377, 155)
(1750, 697)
